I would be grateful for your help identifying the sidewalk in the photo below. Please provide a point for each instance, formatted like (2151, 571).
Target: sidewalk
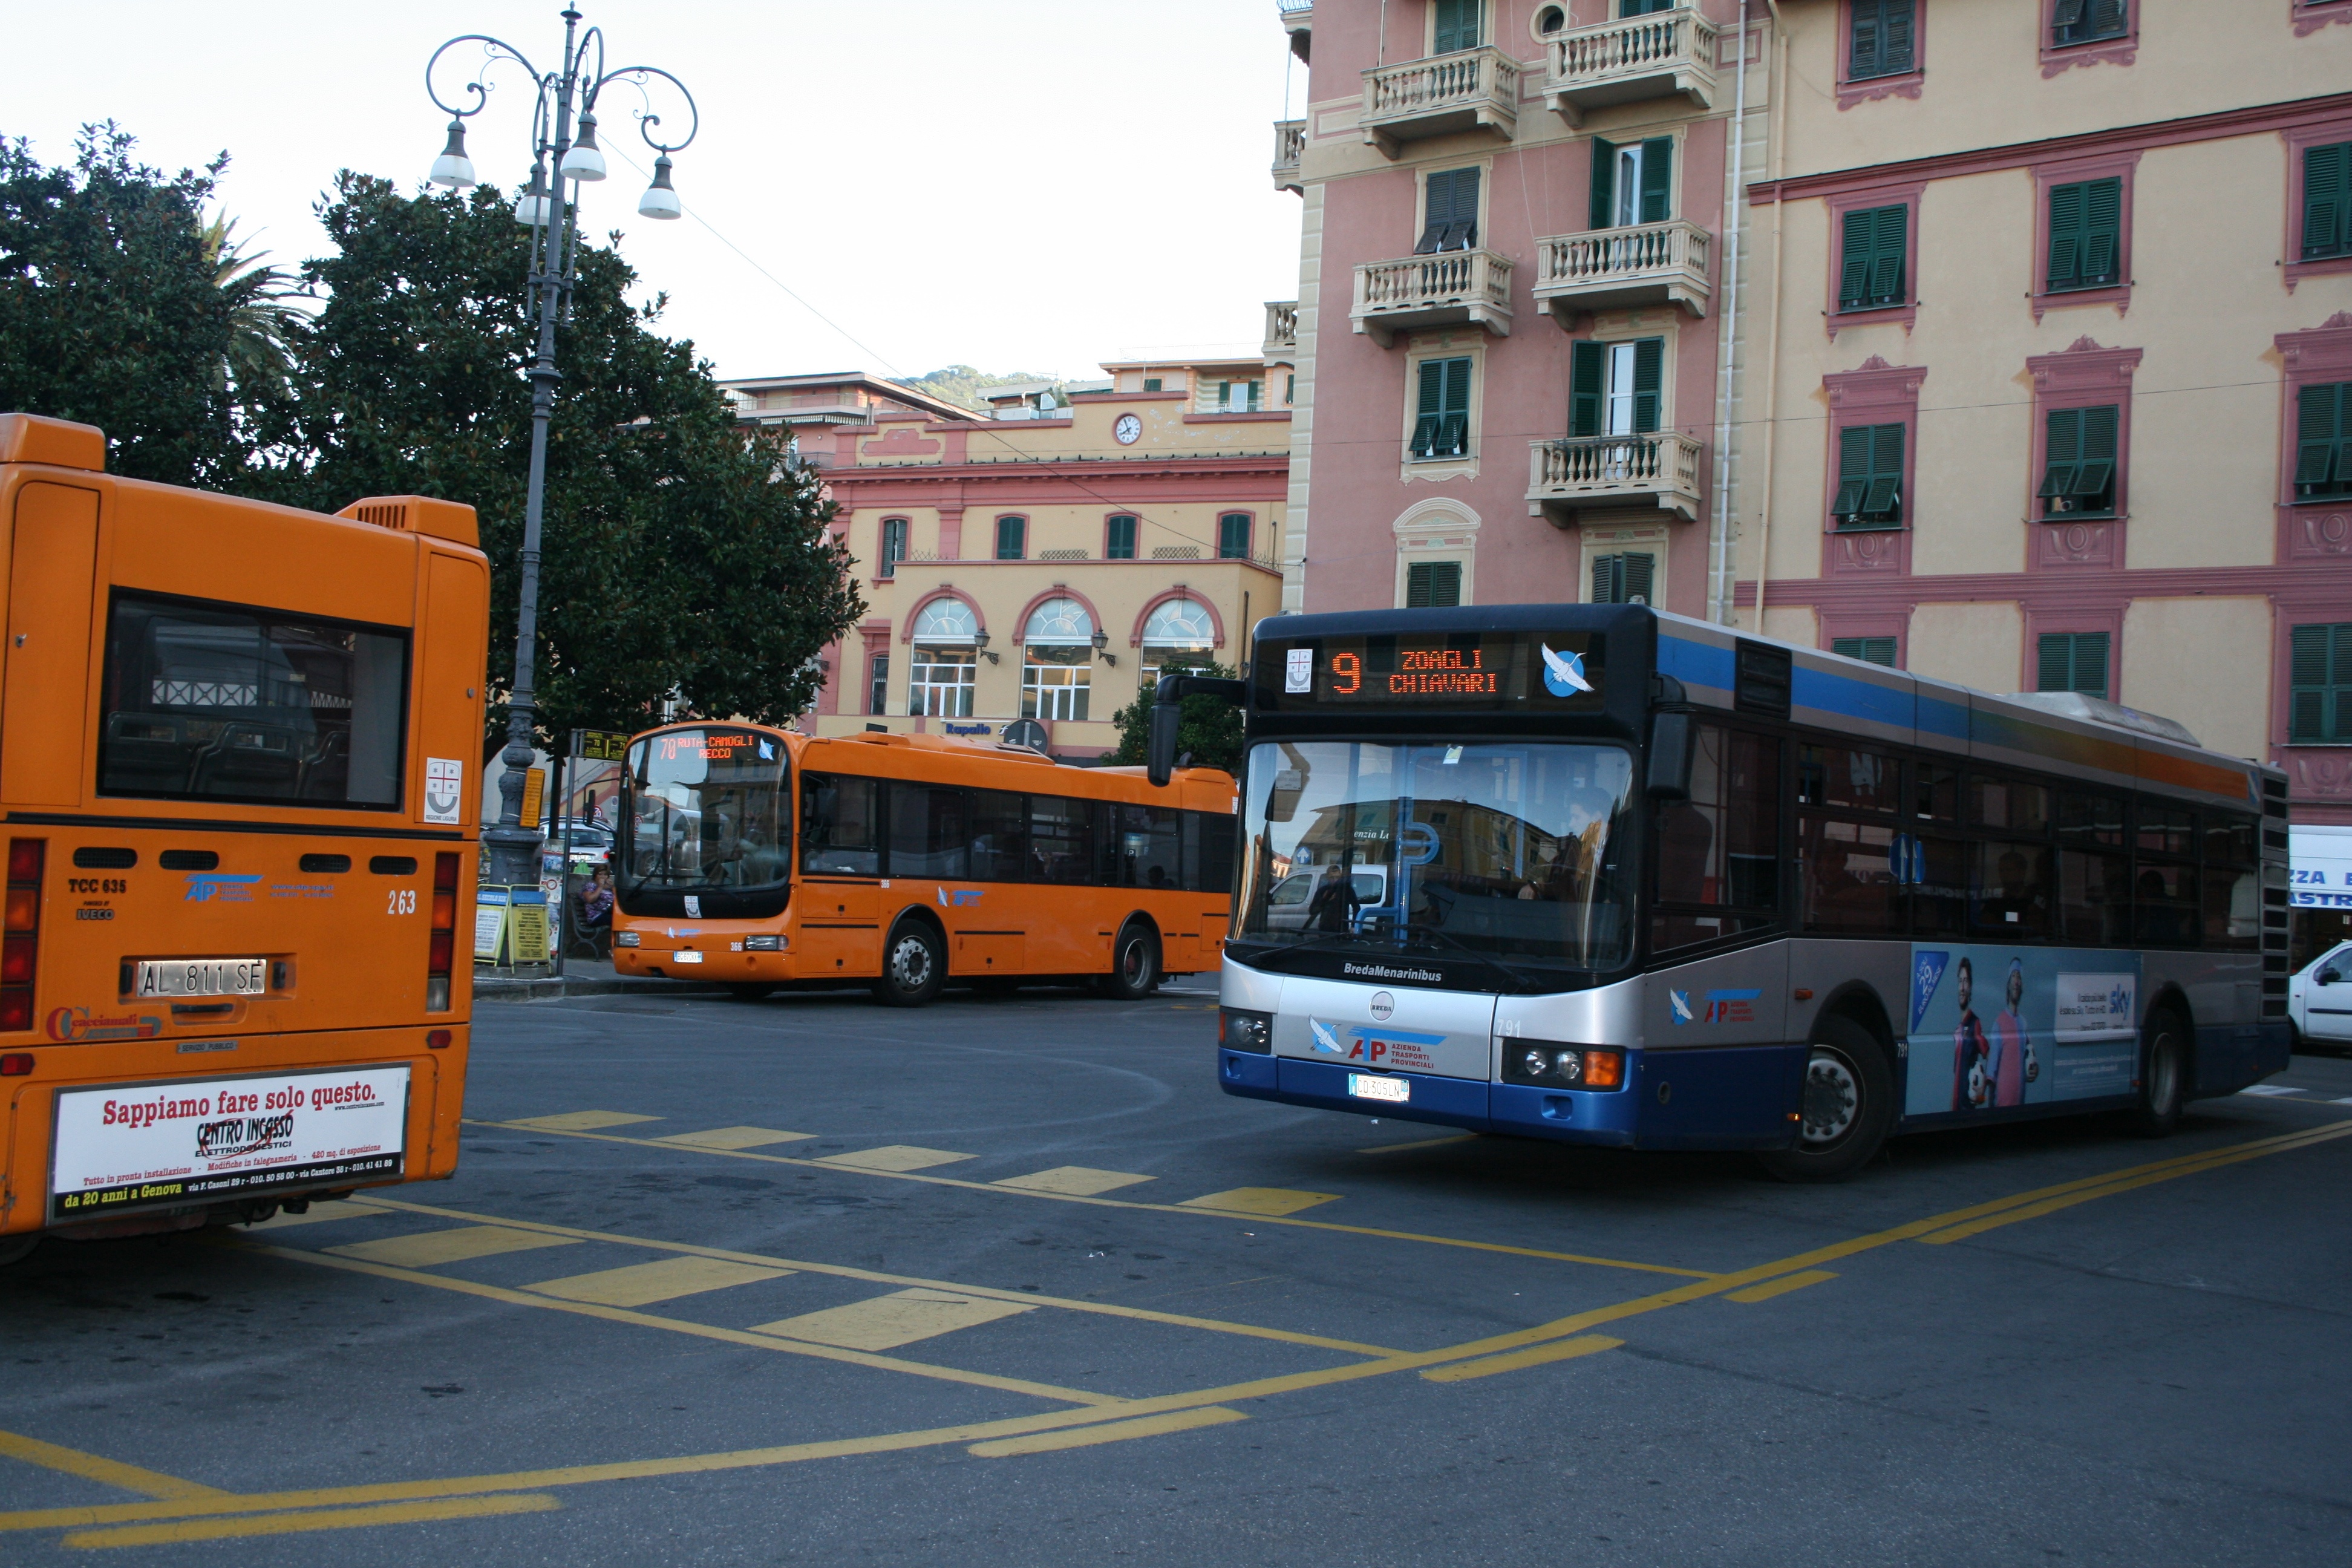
(581, 977)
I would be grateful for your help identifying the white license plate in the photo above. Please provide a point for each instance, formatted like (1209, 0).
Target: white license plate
(686, 956)
(201, 977)
(1368, 1086)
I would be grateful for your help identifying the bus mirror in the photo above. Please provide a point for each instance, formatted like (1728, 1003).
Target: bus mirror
(1161, 751)
(1670, 756)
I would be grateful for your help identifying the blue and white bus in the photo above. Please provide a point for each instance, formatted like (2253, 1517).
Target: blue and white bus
(1605, 875)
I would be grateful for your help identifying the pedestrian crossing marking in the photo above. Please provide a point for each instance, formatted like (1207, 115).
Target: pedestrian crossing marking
(2270, 1090)
(1072, 1181)
(430, 1249)
(1268, 1202)
(734, 1138)
(1513, 1361)
(581, 1120)
(1781, 1286)
(1107, 1432)
(319, 1214)
(643, 1284)
(901, 1318)
(893, 1157)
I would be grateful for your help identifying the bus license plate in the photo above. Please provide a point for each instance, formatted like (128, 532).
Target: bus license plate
(686, 955)
(201, 977)
(1368, 1086)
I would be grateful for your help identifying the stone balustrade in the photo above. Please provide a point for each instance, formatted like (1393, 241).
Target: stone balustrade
(1660, 469)
(1630, 60)
(1439, 96)
(1454, 287)
(1648, 264)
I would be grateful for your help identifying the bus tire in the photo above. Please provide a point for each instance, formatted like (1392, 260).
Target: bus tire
(914, 965)
(1134, 964)
(16, 1248)
(2164, 1079)
(748, 990)
(1847, 1110)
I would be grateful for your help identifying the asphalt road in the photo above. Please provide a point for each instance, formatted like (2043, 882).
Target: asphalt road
(1009, 1281)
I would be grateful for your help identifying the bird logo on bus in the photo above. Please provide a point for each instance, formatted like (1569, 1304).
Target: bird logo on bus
(959, 898)
(1563, 674)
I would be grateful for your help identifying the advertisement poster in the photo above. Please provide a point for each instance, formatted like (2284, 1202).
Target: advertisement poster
(127, 1147)
(1995, 1028)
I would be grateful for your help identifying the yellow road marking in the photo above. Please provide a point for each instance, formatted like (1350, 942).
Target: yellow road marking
(643, 1284)
(580, 1121)
(1487, 1366)
(89, 1467)
(1082, 1181)
(901, 1318)
(735, 1138)
(1271, 1203)
(430, 1249)
(893, 1158)
(324, 1518)
(1332, 1227)
(319, 1214)
(1781, 1287)
(1114, 1432)
(1418, 1144)
(700, 1331)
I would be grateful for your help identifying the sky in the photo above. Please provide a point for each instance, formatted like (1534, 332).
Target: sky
(1031, 185)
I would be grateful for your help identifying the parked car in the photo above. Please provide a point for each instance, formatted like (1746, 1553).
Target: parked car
(2319, 1000)
(1288, 902)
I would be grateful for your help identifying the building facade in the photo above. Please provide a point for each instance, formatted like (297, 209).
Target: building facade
(1517, 289)
(1044, 564)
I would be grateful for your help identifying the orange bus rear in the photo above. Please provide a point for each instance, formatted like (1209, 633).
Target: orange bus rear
(238, 753)
(759, 858)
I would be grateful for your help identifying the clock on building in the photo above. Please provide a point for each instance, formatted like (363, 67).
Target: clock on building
(1129, 429)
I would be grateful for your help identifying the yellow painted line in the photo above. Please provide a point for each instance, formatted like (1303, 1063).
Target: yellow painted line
(700, 1331)
(901, 1318)
(1418, 1144)
(319, 1215)
(1503, 1247)
(1081, 1181)
(643, 1284)
(91, 1467)
(894, 1158)
(580, 1121)
(1487, 1366)
(871, 1276)
(321, 1518)
(1781, 1286)
(734, 1138)
(1270, 1203)
(1114, 1432)
(430, 1249)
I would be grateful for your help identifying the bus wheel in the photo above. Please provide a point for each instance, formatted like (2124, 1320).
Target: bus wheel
(2162, 1082)
(1134, 964)
(1848, 1105)
(914, 966)
(16, 1248)
(748, 990)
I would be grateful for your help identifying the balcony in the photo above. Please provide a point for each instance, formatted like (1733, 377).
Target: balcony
(1281, 331)
(1656, 55)
(1473, 89)
(1460, 286)
(1651, 264)
(1661, 470)
(1298, 21)
(1289, 142)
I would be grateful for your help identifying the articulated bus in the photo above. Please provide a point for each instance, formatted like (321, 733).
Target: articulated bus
(760, 858)
(1609, 875)
(236, 764)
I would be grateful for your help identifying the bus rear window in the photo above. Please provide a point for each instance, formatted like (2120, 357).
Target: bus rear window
(225, 702)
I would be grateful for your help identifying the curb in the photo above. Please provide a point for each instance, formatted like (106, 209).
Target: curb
(554, 988)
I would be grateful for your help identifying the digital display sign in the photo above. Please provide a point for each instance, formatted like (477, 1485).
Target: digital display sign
(717, 746)
(1504, 670)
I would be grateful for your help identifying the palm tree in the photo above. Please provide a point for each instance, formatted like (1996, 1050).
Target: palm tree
(259, 354)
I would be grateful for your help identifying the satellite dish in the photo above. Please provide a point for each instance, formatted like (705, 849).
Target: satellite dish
(1027, 734)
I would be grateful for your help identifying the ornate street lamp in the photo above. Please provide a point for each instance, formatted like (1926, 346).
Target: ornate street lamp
(562, 99)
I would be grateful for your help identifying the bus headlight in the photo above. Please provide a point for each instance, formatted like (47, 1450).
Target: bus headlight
(1544, 1065)
(1239, 1031)
(627, 938)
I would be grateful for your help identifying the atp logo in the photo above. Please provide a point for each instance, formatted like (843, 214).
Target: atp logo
(1563, 674)
(221, 887)
(959, 898)
(1679, 1002)
(1327, 1039)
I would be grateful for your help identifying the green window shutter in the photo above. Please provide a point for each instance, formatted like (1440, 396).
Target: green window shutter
(1120, 542)
(2090, 663)
(1644, 7)
(2307, 682)
(2062, 428)
(1854, 470)
(2066, 236)
(2328, 200)
(2055, 663)
(1012, 537)
(1868, 55)
(1433, 584)
(1454, 433)
(1627, 579)
(1456, 26)
(1604, 183)
(2323, 440)
(1588, 363)
(2102, 229)
(1858, 244)
(2094, 481)
(1451, 220)
(1893, 227)
(1657, 179)
(1233, 536)
(1641, 568)
(1870, 650)
(1883, 498)
(2072, 661)
(1900, 27)
(1605, 569)
(1429, 412)
(1649, 379)
(1441, 417)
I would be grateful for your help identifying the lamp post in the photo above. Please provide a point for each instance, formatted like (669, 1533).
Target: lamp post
(562, 99)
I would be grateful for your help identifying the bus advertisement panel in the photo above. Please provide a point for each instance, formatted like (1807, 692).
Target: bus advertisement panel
(2025, 1026)
(241, 809)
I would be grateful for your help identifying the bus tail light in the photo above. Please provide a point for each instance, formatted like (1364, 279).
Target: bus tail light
(20, 943)
(442, 950)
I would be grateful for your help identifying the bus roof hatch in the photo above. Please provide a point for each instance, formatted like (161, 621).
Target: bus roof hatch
(417, 514)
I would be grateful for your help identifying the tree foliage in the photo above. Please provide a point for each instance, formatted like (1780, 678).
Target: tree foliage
(1210, 730)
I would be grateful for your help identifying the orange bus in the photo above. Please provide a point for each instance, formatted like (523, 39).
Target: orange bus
(238, 753)
(760, 858)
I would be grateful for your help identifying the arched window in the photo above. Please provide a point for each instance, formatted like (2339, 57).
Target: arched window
(943, 669)
(946, 621)
(1059, 623)
(1181, 624)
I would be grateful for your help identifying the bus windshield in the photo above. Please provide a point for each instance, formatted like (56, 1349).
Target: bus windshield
(1518, 855)
(707, 810)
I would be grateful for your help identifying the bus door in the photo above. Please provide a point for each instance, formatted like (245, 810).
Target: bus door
(837, 903)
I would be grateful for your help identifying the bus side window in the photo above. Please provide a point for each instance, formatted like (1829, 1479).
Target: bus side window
(1208, 852)
(2094, 876)
(1719, 850)
(2163, 875)
(838, 825)
(1000, 836)
(928, 832)
(2234, 900)
(2009, 889)
(1148, 847)
(1061, 840)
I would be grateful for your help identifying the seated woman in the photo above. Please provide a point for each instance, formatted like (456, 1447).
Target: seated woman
(596, 912)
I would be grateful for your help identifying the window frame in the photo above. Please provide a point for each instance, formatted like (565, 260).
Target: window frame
(2118, 166)
(1905, 313)
(1111, 535)
(1604, 157)
(1415, 457)
(1432, 242)
(886, 565)
(2051, 504)
(1875, 393)
(1248, 520)
(1659, 411)
(1862, 647)
(2121, 48)
(2074, 645)
(1433, 568)
(1429, 29)
(2340, 634)
(1021, 546)
(1898, 510)
(1854, 89)
(2294, 267)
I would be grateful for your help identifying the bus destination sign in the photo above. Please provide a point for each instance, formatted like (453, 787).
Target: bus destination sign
(1507, 671)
